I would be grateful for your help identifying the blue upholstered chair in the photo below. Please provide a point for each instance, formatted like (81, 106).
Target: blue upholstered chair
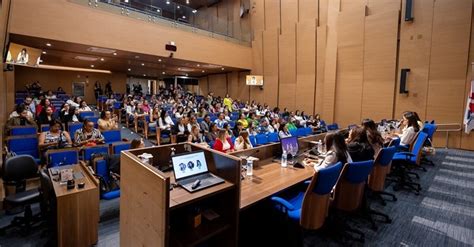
(253, 140)
(261, 139)
(64, 157)
(332, 127)
(73, 127)
(89, 151)
(310, 208)
(379, 173)
(24, 145)
(23, 130)
(273, 137)
(119, 147)
(102, 170)
(112, 136)
(84, 114)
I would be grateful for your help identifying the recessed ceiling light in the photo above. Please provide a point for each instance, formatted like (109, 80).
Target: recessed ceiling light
(48, 44)
(144, 74)
(44, 52)
(184, 17)
(222, 69)
(137, 57)
(203, 71)
(178, 7)
(158, 10)
(167, 2)
(195, 11)
(186, 74)
(115, 53)
(102, 59)
(187, 1)
(92, 66)
(143, 64)
(199, 65)
(163, 72)
(129, 69)
(179, 68)
(159, 60)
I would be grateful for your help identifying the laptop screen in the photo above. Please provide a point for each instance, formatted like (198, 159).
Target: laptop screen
(289, 143)
(189, 164)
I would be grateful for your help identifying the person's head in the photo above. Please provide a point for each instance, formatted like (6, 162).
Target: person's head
(65, 106)
(55, 126)
(227, 95)
(264, 123)
(207, 118)
(213, 127)
(317, 116)
(226, 126)
(222, 134)
(23, 51)
(83, 104)
(182, 121)
(335, 142)
(297, 112)
(244, 134)
(49, 92)
(192, 119)
(409, 119)
(358, 134)
(239, 126)
(369, 124)
(163, 114)
(88, 125)
(195, 130)
(49, 111)
(145, 103)
(28, 100)
(105, 115)
(416, 116)
(137, 143)
(221, 116)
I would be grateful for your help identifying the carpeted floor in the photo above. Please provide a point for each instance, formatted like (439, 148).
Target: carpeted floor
(442, 215)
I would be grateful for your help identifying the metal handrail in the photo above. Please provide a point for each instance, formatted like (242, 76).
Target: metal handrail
(455, 128)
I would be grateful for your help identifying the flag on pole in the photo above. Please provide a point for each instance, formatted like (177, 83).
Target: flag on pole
(469, 116)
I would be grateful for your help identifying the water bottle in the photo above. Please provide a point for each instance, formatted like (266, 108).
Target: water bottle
(249, 167)
(284, 159)
(320, 147)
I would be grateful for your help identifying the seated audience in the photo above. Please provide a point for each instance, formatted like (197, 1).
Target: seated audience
(84, 107)
(223, 142)
(74, 102)
(107, 122)
(336, 151)
(358, 145)
(284, 132)
(23, 119)
(181, 130)
(137, 143)
(88, 135)
(195, 136)
(43, 104)
(243, 121)
(23, 106)
(373, 135)
(237, 129)
(46, 116)
(410, 129)
(242, 142)
(213, 133)
(220, 121)
(54, 138)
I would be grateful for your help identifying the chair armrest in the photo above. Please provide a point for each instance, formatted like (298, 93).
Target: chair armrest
(406, 153)
(283, 202)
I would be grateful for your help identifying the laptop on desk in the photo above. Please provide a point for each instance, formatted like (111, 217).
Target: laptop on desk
(191, 171)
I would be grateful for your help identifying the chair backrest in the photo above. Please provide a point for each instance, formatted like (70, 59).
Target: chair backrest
(417, 146)
(44, 127)
(316, 199)
(84, 114)
(119, 147)
(73, 127)
(261, 139)
(273, 137)
(118, 105)
(253, 140)
(24, 145)
(308, 131)
(294, 132)
(22, 130)
(395, 142)
(47, 189)
(381, 168)
(300, 132)
(385, 156)
(112, 136)
(20, 167)
(350, 186)
(62, 157)
(101, 169)
(89, 151)
(333, 126)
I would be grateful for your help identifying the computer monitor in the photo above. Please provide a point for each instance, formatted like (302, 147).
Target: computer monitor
(289, 143)
(189, 164)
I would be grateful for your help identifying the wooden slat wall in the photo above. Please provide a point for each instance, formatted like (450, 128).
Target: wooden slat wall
(320, 58)
(287, 64)
(257, 56)
(270, 66)
(449, 56)
(237, 87)
(380, 63)
(272, 14)
(306, 65)
(330, 64)
(204, 85)
(289, 14)
(323, 12)
(257, 16)
(379, 6)
(307, 10)
(350, 58)
(218, 84)
(467, 141)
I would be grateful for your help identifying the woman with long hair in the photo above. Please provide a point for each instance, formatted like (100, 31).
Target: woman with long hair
(337, 150)
(242, 142)
(223, 142)
(358, 145)
(410, 129)
(373, 135)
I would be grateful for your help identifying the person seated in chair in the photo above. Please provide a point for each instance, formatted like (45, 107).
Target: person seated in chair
(358, 145)
(243, 142)
(55, 138)
(223, 142)
(88, 135)
(22, 119)
(337, 151)
(46, 116)
(181, 130)
(107, 122)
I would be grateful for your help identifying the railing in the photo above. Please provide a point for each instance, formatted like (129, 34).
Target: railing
(448, 128)
(168, 13)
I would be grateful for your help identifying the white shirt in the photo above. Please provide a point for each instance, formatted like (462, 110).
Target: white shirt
(408, 135)
(283, 134)
(331, 159)
(239, 145)
(225, 145)
(87, 108)
(72, 103)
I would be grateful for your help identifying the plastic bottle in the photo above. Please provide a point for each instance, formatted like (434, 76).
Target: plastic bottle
(320, 147)
(249, 167)
(284, 159)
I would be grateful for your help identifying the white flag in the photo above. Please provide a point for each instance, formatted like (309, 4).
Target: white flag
(469, 116)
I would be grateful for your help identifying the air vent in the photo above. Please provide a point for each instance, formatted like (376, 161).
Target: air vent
(101, 50)
(85, 58)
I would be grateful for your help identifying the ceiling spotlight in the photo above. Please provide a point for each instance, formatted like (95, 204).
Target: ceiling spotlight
(178, 7)
(144, 74)
(187, 1)
(195, 11)
(137, 57)
(143, 64)
(222, 69)
(186, 74)
(184, 17)
(159, 59)
(158, 10)
(102, 59)
(167, 2)
(163, 72)
(92, 66)
(44, 52)
(203, 71)
(179, 68)
(129, 69)
(199, 65)
(48, 44)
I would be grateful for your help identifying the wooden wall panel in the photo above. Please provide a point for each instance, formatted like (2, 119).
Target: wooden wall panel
(287, 91)
(308, 9)
(270, 67)
(321, 37)
(218, 84)
(379, 6)
(414, 53)
(306, 65)
(323, 12)
(467, 141)
(257, 69)
(449, 56)
(257, 16)
(330, 65)
(203, 85)
(380, 65)
(289, 14)
(350, 5)
(272, 14)
(350, 57)
(237, 87)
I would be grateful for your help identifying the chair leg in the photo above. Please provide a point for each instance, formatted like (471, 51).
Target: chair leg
(394, 198)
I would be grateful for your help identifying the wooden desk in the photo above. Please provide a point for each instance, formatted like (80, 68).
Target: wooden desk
(268, 179)
(77, 210)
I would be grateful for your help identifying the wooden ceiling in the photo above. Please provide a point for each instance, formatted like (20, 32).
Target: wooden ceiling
(133, 64)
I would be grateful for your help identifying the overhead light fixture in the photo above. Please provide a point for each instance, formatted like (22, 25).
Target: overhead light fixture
(43, 66)
(167, 2)
(163, 72)
(203, 71)
(222, 69)
(143, 64)
(48, 44)
(115, 53)
(187, 1)
(137, 57)
(102, 59)
(179, 68)
(92, 66)
(144, 74)
(184, 17)
(178, 7)
(159, 59)
(186, 74)
(195, 11)
(44, 52)
(101, 50)
(129, 69)
(199, 65)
